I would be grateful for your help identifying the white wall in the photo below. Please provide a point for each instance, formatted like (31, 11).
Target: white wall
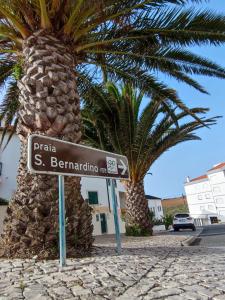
(217, 181)
(155, 205)
(206, 198)
(93, 184)
(105, 203)
(10, 161)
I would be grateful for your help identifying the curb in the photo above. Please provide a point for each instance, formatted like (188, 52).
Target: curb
(191, 239)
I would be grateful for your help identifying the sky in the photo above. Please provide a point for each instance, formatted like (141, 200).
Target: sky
(194, 158)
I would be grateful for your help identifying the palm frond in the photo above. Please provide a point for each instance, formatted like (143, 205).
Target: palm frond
(129, 41)
(8, 110)
(150, 131)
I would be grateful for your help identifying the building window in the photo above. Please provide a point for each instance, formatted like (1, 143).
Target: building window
(210, 207)
(219, 200)
(93, 197)
(199, 197)
(216, 189)
(97, 218)
(159, 208)
(205, 186)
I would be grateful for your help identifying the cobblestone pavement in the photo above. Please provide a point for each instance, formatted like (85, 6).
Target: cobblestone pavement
(149, 268)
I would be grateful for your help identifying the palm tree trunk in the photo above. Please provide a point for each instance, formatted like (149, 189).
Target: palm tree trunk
(137, 212)
(50, 106)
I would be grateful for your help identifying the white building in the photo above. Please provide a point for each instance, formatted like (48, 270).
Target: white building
(9, 161)
(96, 191)
(206, 196)
(155, 205)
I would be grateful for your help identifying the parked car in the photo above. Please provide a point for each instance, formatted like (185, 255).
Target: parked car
(183, 221)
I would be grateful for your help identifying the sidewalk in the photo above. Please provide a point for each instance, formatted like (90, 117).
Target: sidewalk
(157, 239)
(149, 268)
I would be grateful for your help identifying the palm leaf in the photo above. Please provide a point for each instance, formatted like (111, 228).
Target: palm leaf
(149, 131)
(8, 111)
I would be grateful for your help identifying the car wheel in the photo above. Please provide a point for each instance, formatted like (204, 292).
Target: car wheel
(176, 229)
(193, 229)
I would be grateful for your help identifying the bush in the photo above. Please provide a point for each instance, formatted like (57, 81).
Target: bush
(153, 220)
(158, 222)
(135, 230)
(168, 220)
(123, 216)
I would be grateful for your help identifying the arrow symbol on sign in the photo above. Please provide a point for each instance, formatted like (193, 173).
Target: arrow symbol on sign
(122, 166)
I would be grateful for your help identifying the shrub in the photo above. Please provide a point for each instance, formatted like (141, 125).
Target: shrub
(168, 220)
(158, 222)
(153, 220)
(135, 230)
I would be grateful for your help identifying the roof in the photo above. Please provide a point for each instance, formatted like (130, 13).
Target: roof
(150, 197)
(199, 178)
(174, 198)
(218, 166)
(214, 168)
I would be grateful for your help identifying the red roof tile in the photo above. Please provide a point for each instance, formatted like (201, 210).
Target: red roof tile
(216, 167)
(219, 166)
(199, 178)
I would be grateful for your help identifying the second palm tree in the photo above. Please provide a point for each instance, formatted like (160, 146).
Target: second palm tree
(143, 135)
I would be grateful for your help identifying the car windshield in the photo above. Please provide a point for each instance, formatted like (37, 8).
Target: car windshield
(182, 216)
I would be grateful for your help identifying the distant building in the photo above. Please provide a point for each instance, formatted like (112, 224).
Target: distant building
(206, 195)
(175, 201)
(155, 205)
(175, 205)
(9, 162)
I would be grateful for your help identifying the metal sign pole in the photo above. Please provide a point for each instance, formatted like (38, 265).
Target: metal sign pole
(115, 212)
(62, 232)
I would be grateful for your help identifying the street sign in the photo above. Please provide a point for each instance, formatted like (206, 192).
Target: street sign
(48, 155)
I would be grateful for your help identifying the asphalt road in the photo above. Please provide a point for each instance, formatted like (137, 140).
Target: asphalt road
(212, 236)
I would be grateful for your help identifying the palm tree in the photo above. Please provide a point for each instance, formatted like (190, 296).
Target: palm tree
(56, 51)
(142, 135)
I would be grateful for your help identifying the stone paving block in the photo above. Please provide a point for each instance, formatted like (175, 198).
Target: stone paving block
(60, 291)
(219, 297)
(194, 296)
(80, 291)
(175, 297)
(201, 290)
(158, 293)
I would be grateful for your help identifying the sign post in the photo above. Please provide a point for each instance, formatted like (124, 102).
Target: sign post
(62, 231)
(52, 156)
(115, 213)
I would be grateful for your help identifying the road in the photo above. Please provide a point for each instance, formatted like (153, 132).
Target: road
(212, 236)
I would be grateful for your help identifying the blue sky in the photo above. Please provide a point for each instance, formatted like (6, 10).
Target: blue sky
(196, 157)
